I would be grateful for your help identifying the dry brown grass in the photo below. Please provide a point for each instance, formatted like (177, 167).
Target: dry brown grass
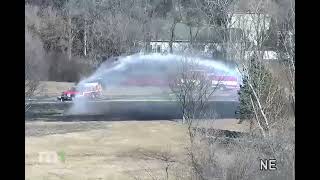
(115, 151)
(110, 153)
(52, 88)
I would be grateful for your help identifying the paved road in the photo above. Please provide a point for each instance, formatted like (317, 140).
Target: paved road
(143, 95)
(123, 110)
(136, 104)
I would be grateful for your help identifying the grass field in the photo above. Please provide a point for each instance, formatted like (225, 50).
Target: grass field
(105, 150)
(113, 151)
(52, 88)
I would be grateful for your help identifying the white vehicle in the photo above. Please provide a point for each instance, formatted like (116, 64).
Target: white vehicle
(91, 90)
(225, 82)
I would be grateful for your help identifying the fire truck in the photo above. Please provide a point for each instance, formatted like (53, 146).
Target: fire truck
(86, 90)
(221, 81)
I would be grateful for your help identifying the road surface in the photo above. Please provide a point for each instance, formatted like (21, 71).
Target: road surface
(134, 103)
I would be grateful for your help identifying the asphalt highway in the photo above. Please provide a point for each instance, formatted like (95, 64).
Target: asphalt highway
(129, 106)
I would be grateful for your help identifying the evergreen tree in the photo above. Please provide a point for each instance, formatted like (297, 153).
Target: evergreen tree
(262, 82)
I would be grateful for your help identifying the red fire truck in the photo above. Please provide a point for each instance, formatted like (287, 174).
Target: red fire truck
(87, 90)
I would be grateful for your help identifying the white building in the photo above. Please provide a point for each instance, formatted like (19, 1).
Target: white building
(209, 39)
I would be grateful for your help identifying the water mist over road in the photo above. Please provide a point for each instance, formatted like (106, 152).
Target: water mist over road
(146, 77)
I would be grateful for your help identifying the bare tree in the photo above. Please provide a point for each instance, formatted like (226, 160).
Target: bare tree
(192, 18)
(193, 90)
(219, 15)
(53, 31)
(78, 8)
(164, 156)
(35, 67)
(115, 28)
(286, 46)
(176, 17)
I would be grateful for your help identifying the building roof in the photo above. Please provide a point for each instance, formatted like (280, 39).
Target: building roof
(182, 33)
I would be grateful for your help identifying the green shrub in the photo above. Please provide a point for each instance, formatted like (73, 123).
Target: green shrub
(267, 89)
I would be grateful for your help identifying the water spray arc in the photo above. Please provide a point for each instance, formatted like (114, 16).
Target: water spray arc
(143, 71)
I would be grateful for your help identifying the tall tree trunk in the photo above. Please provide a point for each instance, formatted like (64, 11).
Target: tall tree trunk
(69, 37)
(172, 35)
(85, 37)
(267, 128)
(190, 34)
(146, 32)
(147, 43)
